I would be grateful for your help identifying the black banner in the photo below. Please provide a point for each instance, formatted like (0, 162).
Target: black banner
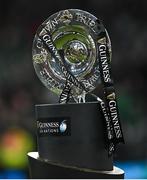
(109, 93)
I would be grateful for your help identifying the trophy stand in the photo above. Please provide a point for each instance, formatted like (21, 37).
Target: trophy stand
(76, 149)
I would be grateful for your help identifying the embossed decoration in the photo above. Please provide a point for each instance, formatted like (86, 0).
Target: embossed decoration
(73, 36)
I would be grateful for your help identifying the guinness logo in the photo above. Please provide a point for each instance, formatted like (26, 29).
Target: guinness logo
(111, 96)
(43, 32)
(102, 41)
(54, 126)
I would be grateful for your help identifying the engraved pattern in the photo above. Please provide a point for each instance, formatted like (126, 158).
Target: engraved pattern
(66, 17)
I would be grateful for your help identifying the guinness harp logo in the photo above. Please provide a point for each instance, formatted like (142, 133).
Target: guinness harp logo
(102, 41)
(111, 96)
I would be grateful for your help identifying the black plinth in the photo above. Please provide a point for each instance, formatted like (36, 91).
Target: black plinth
(46, 170)
(86, 146)
(81, 152)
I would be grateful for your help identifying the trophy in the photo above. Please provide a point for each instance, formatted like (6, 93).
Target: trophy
(76, 138)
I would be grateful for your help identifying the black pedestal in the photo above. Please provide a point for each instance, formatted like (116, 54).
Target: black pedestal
(78, 152)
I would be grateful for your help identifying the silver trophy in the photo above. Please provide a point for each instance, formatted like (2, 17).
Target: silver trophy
(72, 56)
(73, 36)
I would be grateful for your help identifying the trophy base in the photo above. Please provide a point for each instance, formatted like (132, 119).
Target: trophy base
(82, 144)
(40, 169)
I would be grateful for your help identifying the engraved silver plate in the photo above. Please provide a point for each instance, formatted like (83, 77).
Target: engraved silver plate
(75, 33)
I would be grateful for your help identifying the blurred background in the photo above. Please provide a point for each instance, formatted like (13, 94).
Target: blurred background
(20, 89)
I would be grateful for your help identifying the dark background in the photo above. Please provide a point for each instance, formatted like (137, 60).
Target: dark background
(20, 89)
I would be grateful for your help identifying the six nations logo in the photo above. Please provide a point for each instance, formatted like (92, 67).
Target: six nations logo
(53, 126)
